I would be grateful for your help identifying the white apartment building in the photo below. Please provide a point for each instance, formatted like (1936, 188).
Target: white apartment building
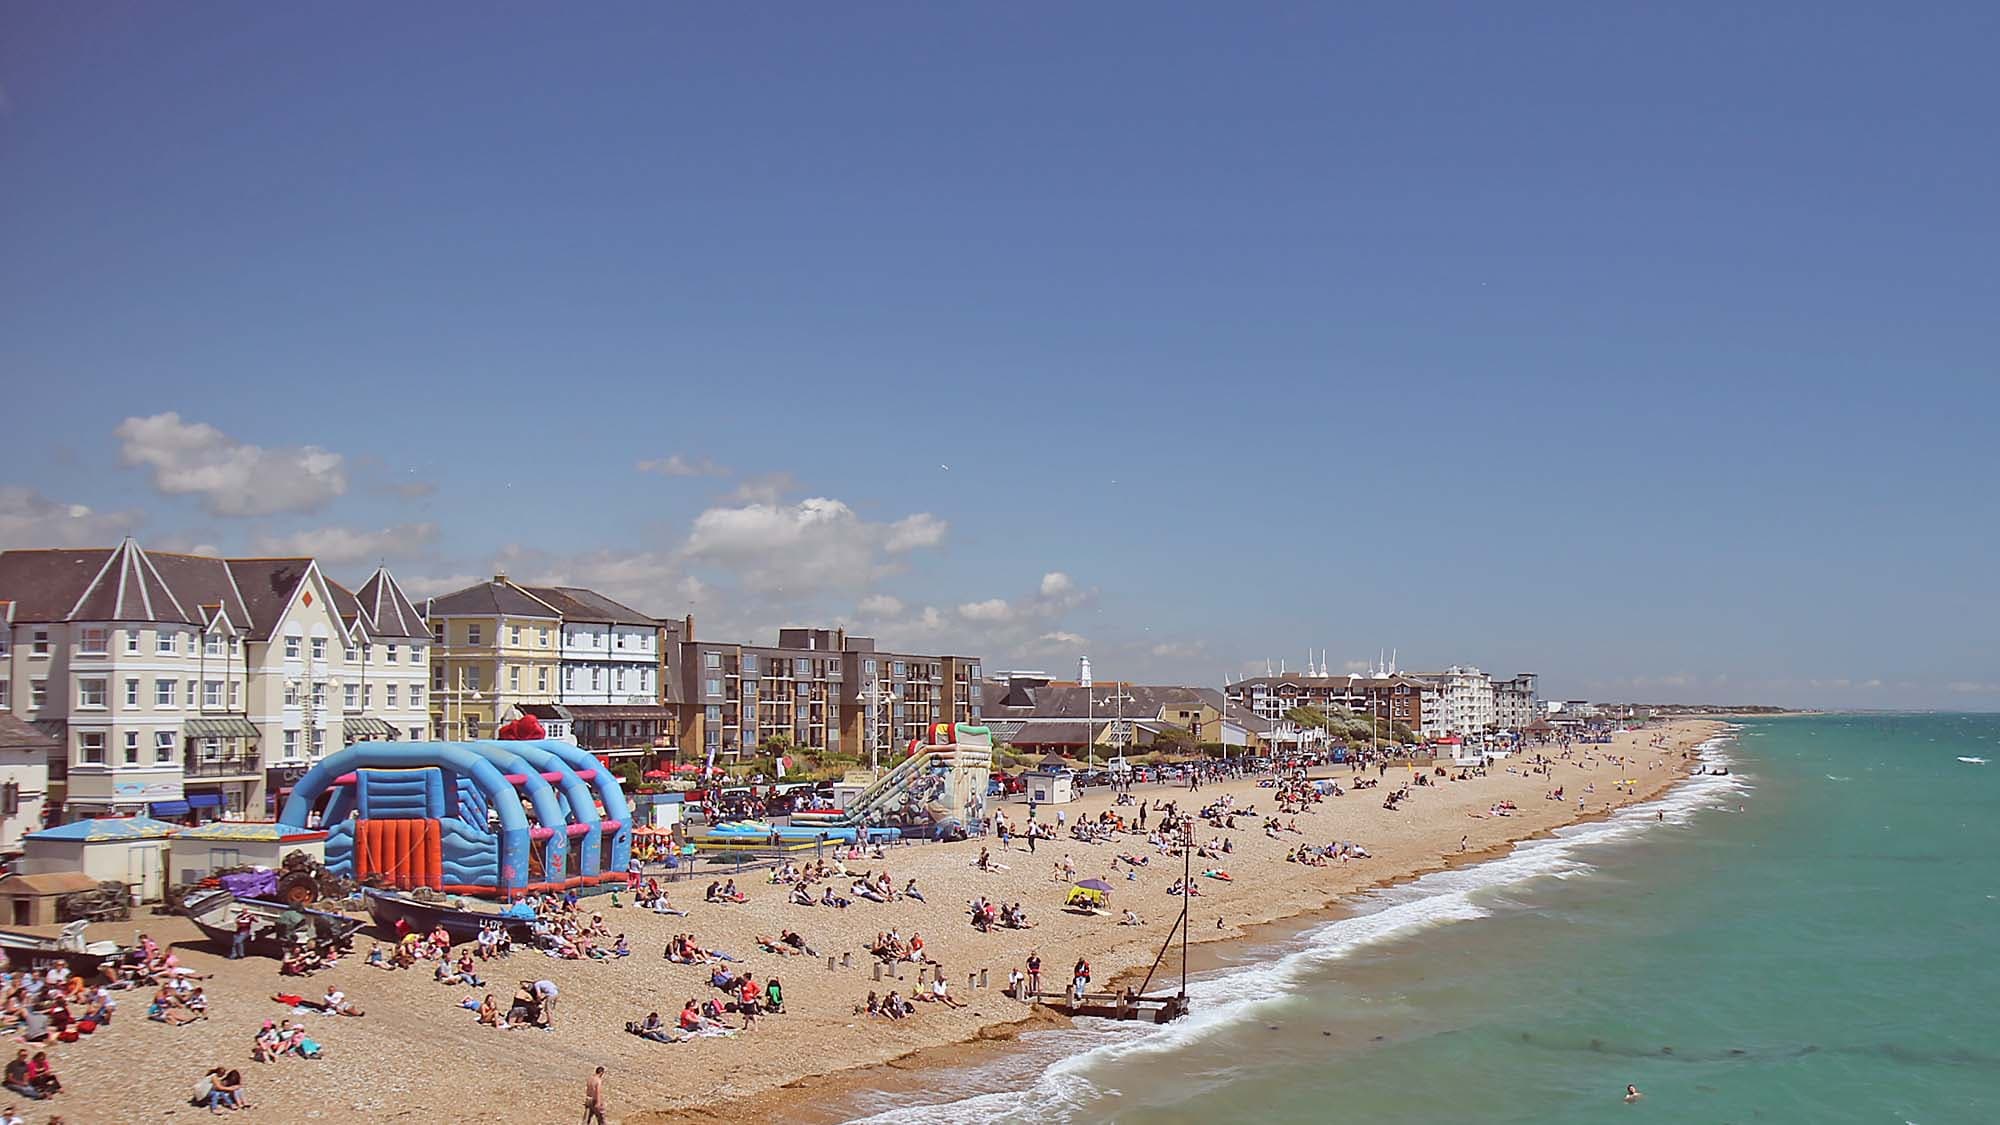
(1467, 693)
(1514, 702)
(24, 778)
(173, 683)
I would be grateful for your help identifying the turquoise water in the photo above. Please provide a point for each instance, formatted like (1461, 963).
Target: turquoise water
(1815, 938)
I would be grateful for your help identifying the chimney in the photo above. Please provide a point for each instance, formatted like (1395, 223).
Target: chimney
(687, 633)
(840, 639)
(499, 578)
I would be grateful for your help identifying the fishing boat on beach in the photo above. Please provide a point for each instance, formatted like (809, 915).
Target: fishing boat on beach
(388, 908)
(25, 950)
(273, 924)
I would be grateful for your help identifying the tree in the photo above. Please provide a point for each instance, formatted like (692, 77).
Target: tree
(1309, 718)
(1176, 740)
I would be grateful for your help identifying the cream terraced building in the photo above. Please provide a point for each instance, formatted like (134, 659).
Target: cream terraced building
(188, 686)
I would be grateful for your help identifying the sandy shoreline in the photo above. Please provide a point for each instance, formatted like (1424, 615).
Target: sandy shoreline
(418, 1056)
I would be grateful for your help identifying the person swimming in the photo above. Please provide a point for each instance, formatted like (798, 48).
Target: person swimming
(1632, 1093)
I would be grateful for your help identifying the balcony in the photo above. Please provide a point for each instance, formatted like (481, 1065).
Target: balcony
(197, 766)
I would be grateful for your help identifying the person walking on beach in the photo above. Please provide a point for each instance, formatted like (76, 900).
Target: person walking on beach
(593, 1099)
(1034, 972)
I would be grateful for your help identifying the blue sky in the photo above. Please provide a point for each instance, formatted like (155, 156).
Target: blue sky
(1652, 351)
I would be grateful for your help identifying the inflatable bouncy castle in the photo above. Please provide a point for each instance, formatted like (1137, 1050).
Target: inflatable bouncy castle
(478, 818)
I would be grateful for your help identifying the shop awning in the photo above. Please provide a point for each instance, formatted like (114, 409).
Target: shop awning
(204, 800)
(225, 726)
(361, 727)
(169, 808)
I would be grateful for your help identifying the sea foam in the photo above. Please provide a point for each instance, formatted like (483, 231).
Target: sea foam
(1223, 1001)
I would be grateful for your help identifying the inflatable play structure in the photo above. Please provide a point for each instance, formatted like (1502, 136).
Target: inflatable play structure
(496, 819)
(942, 779)
(756, 835)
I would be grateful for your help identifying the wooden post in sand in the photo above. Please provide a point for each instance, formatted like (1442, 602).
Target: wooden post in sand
(847, 960)
(829, 962)
(982, 978)
(878, 970)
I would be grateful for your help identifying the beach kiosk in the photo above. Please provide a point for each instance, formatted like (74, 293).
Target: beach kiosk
(223, 844)
(1050, 786)
(130, 850)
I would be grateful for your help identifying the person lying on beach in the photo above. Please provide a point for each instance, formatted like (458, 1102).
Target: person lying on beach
(910, 891)
(770, 944)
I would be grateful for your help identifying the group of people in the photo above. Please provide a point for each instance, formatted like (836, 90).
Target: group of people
(987, 915)
(38, 1006)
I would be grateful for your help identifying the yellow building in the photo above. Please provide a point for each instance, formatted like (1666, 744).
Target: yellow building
(497, 649)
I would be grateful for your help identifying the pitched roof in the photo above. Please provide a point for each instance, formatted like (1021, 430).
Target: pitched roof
(578, 604)
(390, 612)
(48, 883)
(490, 598)
(108, 828)
(86, 584)
(267, 587)
(18, 735)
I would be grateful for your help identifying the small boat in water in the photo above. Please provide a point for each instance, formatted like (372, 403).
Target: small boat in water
(273, 924)
(389, 908)
(34, 951)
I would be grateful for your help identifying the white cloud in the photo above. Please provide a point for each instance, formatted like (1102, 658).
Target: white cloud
(676, 465)
(185, 543)
(765, 488)
(339, 545)
(1055, 584)
(1355, 667)
(880, 605)
(30, 519)
(233, 478)
(992, 609)
(915, 531)
(1178, 648)
(1061, 639)
(421, 586)
(811, 547)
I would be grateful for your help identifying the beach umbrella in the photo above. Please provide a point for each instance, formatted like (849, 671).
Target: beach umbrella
(657, 775)
(1093, 885)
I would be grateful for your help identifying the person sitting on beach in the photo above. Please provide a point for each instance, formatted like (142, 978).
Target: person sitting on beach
(42, 1075)
(724, 980)
(264, 1045)
(489, 1012)
(941, 993)
(910, 891)
(828, 898)
(1130, 919)
(17, 1077)
(774, 996)
(894, 1007)
(651, 1029)
(800, 896)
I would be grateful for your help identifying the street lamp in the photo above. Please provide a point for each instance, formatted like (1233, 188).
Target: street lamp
(1118, 729)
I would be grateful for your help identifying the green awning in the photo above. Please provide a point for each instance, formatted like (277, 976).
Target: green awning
(229, 726)
(362, 727)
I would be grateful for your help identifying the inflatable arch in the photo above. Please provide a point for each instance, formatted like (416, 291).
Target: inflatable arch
(485, 818)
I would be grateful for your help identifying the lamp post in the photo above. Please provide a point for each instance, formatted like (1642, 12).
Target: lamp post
(1118, 727)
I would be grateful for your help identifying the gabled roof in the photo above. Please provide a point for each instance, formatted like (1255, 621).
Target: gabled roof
(578, 604)
(390, 612)
(268, 587)
(18, 735)
(108, 828)
(490, 599)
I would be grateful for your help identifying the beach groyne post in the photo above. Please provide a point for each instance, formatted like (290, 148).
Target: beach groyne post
(847, 960)
(982, 978)
(829, 962)
(878, 970)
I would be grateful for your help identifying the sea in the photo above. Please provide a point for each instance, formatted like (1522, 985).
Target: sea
(1812, 937)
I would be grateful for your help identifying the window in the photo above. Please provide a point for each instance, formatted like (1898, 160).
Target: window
(163, 747)
(619, 640)
(750, 664)
(90, 747)
(166, 642)
(714, 714)
(711, 660)
(545, 638)
(192, 687)
(232, 695)
(416, 654)
(514, 678)
(291, 744)
(541, 679)
(514, 635)
(597, 679)
(349, 693)
(132, 692)
(714, 687)
(132, 641)
(6, 695)
(291, 693)
(163, 693)
(868, 668)
(389, 695)
(896, 669)
(416, 695)
(389, 653)
(437, 632)
(90, 693)
(621, 679)
(347, 652)
(131, 747)
(319, 648)
(292, 647)
(39, 646)
(367, 695)
(319, 695)
(417, 734)
(472, 728)
(472, 634)
(93, 641)
(211, 748)
(470, 678)
(437, 677)
(318, 741)
(569, 679)
(212, 644)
